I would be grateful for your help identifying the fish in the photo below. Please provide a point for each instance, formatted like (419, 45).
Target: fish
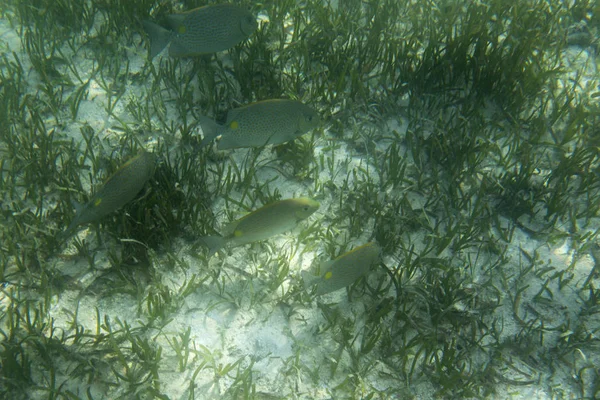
(257, 124)
(343, 270)
(204, 30)
(119, 189)
(263, 223)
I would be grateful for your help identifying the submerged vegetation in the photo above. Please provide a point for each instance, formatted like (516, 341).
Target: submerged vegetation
(462, 137)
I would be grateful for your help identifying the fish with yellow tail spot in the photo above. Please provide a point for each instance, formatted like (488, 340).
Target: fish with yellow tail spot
(343, 270)
(269, 220)
(203, 30)
(119, 189)
(258, 124)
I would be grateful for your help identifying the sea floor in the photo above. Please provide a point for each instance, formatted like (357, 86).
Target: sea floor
(181, 325)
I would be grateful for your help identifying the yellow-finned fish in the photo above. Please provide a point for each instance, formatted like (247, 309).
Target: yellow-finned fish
(343, 270)
(261, 224)
(261, 123)
(204, 30)
(119, 189)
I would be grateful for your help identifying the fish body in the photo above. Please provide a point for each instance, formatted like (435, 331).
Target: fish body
(343, 270)
(204, 30)
(119, 189)
(269, 220)
(261, 123)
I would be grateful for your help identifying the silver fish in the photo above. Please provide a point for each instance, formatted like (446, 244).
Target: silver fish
(261, 224)
(261, 123)
(118, 190)
(204, 30)
(344, 270)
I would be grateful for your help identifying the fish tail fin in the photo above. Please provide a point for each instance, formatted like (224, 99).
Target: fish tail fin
(159, 37)
(214, 244)
(210, 130)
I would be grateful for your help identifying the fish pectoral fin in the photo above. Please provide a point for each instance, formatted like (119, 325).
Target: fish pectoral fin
(179, 49)
(77, 206)
(229, 229)
(326, 266)
(176, 20)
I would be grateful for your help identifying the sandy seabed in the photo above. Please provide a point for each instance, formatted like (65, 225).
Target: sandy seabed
(241, 325)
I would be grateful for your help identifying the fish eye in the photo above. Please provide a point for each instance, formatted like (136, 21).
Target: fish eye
(306, 208)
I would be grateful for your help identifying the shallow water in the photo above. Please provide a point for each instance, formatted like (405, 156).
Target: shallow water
(460, 138)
